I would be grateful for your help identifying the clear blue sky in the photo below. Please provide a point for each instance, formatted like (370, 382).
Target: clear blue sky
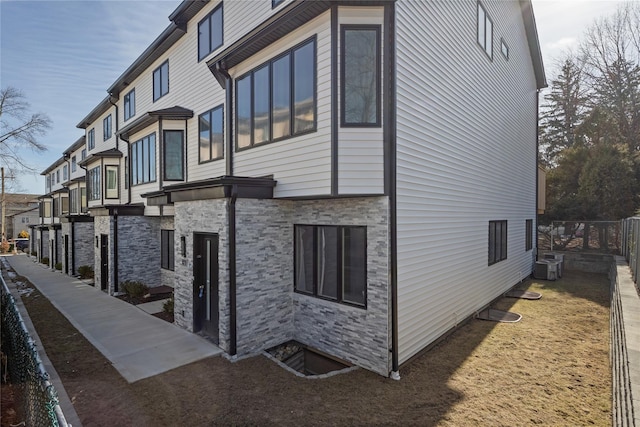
(64, 54)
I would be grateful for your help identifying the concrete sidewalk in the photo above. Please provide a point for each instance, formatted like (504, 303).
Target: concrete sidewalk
(137, 344)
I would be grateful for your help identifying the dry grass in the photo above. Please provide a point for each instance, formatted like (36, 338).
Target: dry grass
(551, 368)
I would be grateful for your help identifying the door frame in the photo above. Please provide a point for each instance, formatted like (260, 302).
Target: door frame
(104, 263)
(212, 329)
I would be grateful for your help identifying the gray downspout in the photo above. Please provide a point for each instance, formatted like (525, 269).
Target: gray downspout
(229, 115)
(537, 171)
(232, 271)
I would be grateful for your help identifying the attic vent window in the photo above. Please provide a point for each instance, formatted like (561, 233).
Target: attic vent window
(504, 49)
(485, 31)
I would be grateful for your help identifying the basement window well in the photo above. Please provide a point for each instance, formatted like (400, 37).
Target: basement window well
(304, 361)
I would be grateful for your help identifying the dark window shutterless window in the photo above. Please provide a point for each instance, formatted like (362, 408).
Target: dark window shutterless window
(167, 254)
(277, 99)
(106, 128)
(161, 81)
(485, 31)
(528, 238)
(74, 164)
(91, 139)
(73, 200)
(360, 77)
(330, 262)
(143, 160)
(497, 241)
(210, 34)
(130, 104)
(275, 3)
(211, 131)
(173, 155)
(93, 183)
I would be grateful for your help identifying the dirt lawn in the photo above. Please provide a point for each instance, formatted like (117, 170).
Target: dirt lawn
(551, 368)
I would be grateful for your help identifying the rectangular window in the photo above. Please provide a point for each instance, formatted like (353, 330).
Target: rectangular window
(167, 255)
(497, 241)
(47, 209)
(360, 77)
(277, 99)
(58, 176)
(211, 131)
(111, 173)
(83, 200)
(65, 173)
(91, 139)
(173, 155)
(74, 164)
(528, 238)
(504, 48)
(106, 128)
(331, 262)
(56, 207)
(73, 201)
(83, 154)
(93, 183)
(48, 183)
(210, 33)
(161, 81)
(275, 3)
(64, 205)
(143, 160)
(485, 31)
(130, 104)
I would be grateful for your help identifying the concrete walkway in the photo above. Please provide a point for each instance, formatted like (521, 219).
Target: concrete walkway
(137, 344)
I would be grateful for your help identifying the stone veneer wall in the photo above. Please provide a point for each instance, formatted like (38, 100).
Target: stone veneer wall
(43, 244)
(201, 216)
(55, 245)
(85, 244)
(270, 312)
(138, 249)
(102, 225)
(168, 277)
(65, 231)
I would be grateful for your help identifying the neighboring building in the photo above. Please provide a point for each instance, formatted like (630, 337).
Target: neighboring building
(21, 221)
(16, 203)
(357, 176)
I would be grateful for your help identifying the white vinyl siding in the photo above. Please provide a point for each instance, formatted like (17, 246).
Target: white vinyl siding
(466, 148)
(99, 142)
(360, 150)
(301, 164)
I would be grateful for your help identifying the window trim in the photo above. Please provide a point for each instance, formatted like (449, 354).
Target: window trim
(91, 139)
(164, 155)
(107, 127)
(528, 238)
(166, 245)
(210, 112)
(159, 70)
(276, 3)
(498, 245)
(94, 190)
(106, 190)
(131, 110)
(378, 29)
(74, 164)
(486, 18)
(269, 64)
(155, 166)
(504, 46)
(340, 287)
(208, 18)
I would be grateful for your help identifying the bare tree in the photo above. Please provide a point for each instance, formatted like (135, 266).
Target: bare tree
(19, 130)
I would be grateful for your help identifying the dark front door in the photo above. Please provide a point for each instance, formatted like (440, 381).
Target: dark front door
(104, 261)
(66, 254)
(205, 285)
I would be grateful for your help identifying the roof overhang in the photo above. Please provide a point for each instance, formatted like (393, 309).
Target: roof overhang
(534, 43)
(120, 210)
(76, 218)
(219, 188)
(76, 145)
(99, 110)
(151, 117)
(54, 165)
(112, 153)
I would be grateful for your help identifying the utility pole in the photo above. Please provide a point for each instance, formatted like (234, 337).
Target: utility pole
(4, 239)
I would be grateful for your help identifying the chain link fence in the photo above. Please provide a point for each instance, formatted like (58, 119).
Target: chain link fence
(36, 396)
(581, 236)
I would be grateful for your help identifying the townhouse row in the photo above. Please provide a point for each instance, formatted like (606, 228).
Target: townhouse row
(357, 176)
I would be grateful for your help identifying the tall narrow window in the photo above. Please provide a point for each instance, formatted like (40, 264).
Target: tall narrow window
(161, 81)
(497, 241)
(83, 154)
(111, 173)
(74, 164)
(73, 201)
(130, 104)
(91, 139)
(167, 253)
(360, 77)
(93, 183)
(211, 131)
(64, 205)
(210, 33)
(528, 237)
(126, 173)
(331, 262)
(485, 31)
(277, 99)
(173, 155)
(83, 200)
(65, 173)
(106, 128)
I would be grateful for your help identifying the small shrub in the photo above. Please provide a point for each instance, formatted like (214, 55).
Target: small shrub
(58, 266)
(167, 307)
(34, 253)
(44, 260)
(85, 272)
(134, 289)
(4, 247)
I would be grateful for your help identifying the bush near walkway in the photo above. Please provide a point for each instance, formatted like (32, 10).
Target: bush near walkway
(551, 368)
